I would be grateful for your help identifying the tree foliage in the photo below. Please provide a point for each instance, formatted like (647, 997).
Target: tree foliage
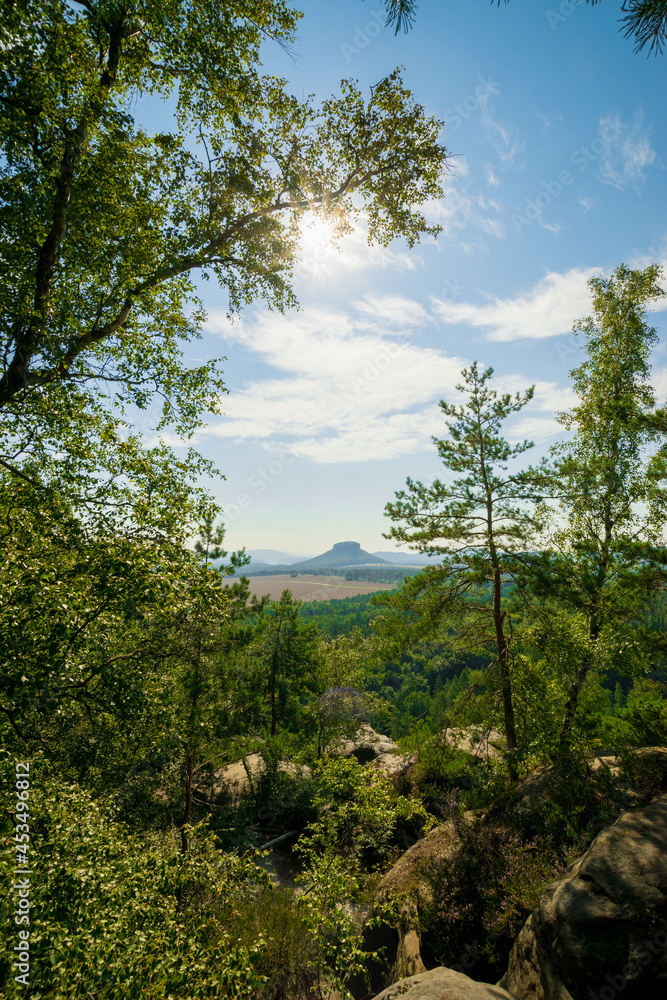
(117, 918)
(288, 651)
(645, 21)
(611, 479)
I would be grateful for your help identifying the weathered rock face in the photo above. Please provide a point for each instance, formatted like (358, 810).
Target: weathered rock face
(650, 762)
(405, 889)
(394, 765)
(442, 984)
(478, 742)
(602, 930)
(367, 745)
(406, 875)
(230, 783)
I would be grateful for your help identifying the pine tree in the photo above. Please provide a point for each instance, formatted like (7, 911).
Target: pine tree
(480, 523)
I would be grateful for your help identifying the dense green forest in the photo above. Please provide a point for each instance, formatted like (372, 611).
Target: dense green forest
(423, 682)
(341, 616)
(133, 670)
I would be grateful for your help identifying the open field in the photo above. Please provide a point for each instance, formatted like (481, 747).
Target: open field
(307, 587)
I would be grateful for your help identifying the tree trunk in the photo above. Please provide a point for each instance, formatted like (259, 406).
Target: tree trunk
(575, 690)
(505, 677)
(588, 661)
(573, 701)
(502, 645)
(187, 809)
(274, 669)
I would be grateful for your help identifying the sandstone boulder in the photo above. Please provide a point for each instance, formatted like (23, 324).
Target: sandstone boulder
(367, 745)
(477, 741)
(407, 874)
(232, 782)
(402, 892)
(602, 929)
(442, 984)
(394, 765)
(649, 766)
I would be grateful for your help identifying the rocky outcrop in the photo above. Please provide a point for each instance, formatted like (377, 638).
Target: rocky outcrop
(572, 935)
(640, 772)
(484, 744)
(229, 784)
(646, 773)
(407, 874)
(398, 898)
(394, 765)
(367, 745)
(442, 984)
(602, 930)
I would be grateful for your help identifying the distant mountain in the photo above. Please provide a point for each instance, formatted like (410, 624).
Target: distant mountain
(342, 554)
(272, 557)
(407, 558)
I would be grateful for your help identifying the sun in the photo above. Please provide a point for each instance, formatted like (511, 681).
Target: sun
(319, 250)
(317, 236)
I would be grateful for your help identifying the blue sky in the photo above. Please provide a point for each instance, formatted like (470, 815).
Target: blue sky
(556, 130)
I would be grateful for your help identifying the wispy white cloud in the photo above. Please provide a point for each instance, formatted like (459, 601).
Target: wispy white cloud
(502, 135)
(348, 393)
(627, 152)
(349, 385)
(552, 227)
(393, 311)
(464, 209)
(659, 382)
(537, 422)
(547, 310)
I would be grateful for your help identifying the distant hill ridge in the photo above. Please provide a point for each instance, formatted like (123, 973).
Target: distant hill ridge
(274, 557)
(342, 554)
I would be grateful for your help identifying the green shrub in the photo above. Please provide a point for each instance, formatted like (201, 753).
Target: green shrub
(122, 918)
(573, 806)
(483, 894)
(287, 962)
(444, 774)
(358, 814)
(643, 722)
